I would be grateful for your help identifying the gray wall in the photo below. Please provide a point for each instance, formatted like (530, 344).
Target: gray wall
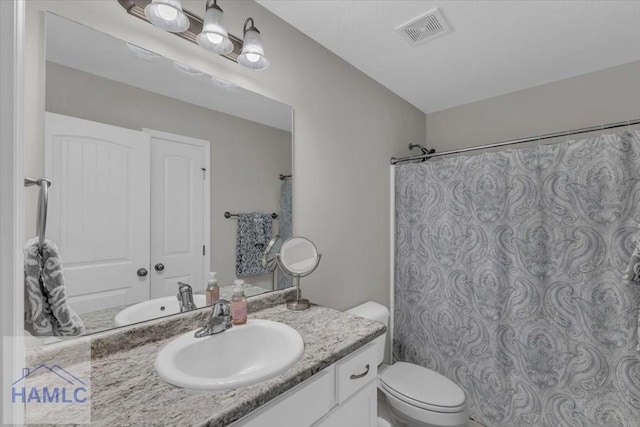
(246, 157)
(346, 128)
(605, 96)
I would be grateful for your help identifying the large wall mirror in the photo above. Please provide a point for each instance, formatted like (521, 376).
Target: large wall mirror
(146, 155)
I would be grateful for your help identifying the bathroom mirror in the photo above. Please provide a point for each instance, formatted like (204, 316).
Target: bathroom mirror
(139, 193)
(298, 257)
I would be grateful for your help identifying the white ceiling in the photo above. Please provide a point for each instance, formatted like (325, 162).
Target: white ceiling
(496, 47)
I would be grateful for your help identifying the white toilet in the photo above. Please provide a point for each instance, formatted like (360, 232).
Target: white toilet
(415, 396)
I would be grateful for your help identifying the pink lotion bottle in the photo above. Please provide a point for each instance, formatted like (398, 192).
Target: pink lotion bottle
(213, 290)
(238, 304)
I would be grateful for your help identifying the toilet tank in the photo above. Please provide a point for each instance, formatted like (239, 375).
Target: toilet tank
(378, 312)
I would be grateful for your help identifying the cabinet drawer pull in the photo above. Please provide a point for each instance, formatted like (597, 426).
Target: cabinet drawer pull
(364, 374)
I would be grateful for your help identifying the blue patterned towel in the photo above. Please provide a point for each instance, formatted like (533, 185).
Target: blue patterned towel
(46, 311)
(254, 233)
(632, 274)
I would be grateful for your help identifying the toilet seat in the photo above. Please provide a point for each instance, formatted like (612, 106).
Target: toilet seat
(423, 388)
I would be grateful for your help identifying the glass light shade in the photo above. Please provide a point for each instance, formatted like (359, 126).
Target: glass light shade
(187, 69)
(252, 55)
(214, 36)
(142, 53)
(168, 15)
(223, 83)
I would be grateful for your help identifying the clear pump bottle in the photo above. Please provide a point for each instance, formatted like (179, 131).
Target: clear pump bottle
(238, 304)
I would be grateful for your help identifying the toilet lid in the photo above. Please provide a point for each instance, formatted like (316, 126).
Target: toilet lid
(422, 387)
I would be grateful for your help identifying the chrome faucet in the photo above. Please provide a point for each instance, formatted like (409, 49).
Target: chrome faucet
(219, 321)
(185, 297)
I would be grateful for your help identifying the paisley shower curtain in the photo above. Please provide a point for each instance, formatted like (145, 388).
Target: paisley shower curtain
(510, 280)
(285, 225)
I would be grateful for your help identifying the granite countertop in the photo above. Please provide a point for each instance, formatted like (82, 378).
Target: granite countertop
(101, 320)
(126, 390)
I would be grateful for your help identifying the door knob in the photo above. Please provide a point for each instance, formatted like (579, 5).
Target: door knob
(142, 272)
(159, 267)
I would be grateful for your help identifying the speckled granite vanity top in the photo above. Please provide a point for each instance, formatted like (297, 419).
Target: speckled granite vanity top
(126, 390)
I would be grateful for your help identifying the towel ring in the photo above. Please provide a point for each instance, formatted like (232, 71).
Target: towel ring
(43, 201)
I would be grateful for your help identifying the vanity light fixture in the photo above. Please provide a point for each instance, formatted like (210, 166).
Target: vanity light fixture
(252, 55)
(214, 36)
(168, 15)
(210, 34)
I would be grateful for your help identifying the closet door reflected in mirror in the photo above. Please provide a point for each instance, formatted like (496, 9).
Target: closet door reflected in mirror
(138, 203)
(99, 210)
(179, 168)
(125, 200)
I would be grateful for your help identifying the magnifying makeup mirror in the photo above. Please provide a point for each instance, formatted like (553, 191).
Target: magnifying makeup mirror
(298, 257)
(269, 258)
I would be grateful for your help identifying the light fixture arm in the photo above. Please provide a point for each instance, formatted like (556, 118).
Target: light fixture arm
(251, 28)
(212, 4)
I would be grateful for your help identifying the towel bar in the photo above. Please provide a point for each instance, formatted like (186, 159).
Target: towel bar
(235, 215)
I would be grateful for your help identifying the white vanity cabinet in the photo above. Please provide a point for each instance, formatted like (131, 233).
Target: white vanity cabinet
(342, 395)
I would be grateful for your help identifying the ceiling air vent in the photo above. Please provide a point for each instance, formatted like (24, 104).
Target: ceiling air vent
(424, 28)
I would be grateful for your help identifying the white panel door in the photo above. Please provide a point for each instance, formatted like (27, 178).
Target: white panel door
(178, 200)
(99, 210)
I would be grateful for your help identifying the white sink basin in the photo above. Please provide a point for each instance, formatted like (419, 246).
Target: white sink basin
(153, 309)
(240, 356)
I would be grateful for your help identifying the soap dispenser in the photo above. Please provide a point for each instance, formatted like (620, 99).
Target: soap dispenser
(238, 304)
(213, 290)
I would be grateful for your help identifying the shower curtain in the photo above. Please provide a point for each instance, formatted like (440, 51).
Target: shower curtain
(509, 280)
(285, 228)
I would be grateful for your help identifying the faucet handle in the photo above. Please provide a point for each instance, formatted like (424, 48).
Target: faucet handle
(223, 317)
(184, 288)
(219, 319)
(185, 297)
(221, 308)
(182, 285)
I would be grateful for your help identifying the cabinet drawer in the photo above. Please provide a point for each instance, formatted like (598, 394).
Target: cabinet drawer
(356, 371)
(301, 406)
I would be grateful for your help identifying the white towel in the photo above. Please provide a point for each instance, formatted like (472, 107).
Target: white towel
(46, 309)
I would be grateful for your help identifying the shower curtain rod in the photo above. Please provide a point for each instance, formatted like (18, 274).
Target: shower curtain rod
(518, 141)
